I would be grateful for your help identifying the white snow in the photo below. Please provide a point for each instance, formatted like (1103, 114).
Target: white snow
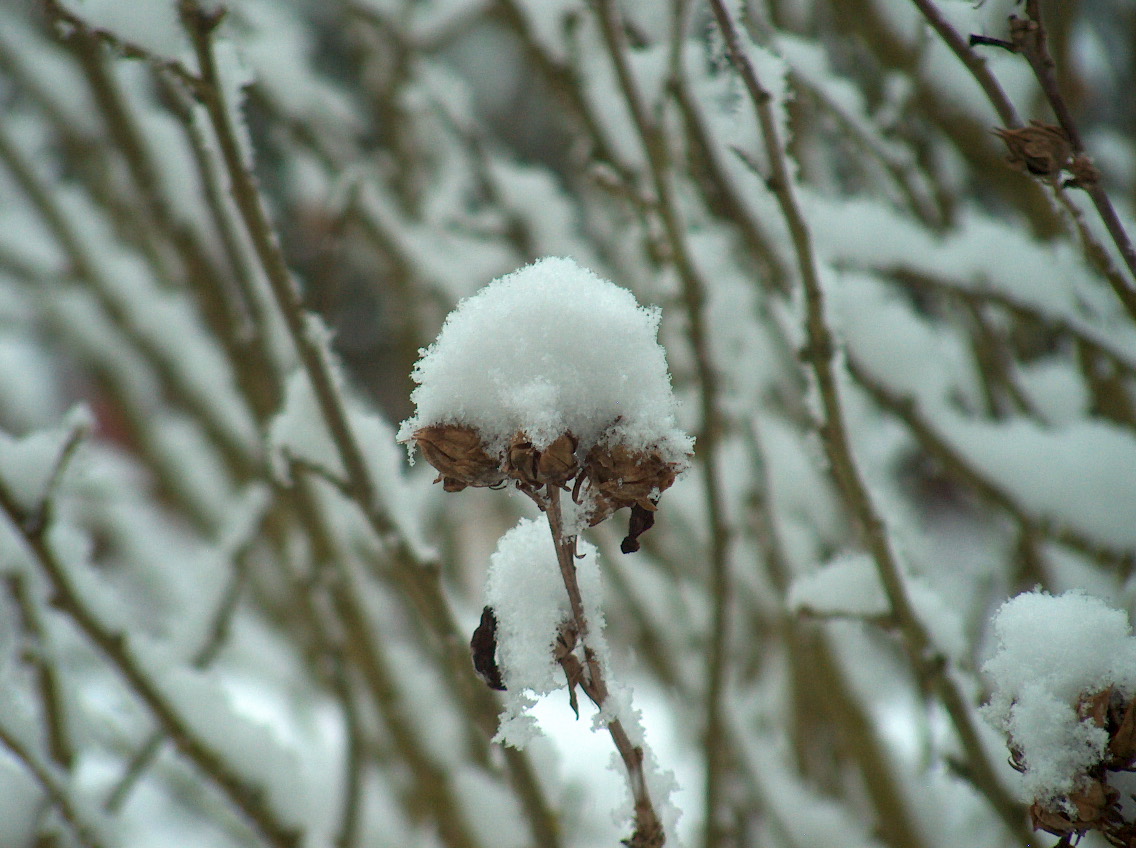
(28, 464)
(1052, 649)
(152, 25)
(547, 349)
(1076, 477)
(527, 594)
(848, 586)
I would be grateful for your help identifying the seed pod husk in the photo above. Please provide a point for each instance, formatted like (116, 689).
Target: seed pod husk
(459, 455)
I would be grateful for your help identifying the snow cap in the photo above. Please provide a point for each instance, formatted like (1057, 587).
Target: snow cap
(548, 349)
(1064, 678)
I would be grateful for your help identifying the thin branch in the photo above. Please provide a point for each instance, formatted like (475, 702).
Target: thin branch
(653, 138)
(974, 63)
(245, 797)
(50, 686)
(938, 446)
(217, 635)
(1028, 37)
(820, 352)
(53, 787)
(648, 827)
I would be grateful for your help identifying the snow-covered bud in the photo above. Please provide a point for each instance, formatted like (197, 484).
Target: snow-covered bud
(1064, 691)
(551, 376)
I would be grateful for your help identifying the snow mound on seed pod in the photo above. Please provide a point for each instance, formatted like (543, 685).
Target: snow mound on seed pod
(1052, 651)
(549, 348)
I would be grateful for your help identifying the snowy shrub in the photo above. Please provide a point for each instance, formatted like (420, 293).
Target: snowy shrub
(873, 256)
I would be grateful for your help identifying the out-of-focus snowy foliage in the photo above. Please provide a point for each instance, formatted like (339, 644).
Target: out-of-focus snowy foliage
(231, 614)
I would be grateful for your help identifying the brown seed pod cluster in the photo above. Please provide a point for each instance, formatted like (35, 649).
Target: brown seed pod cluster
(1095, 805)
(607, 478)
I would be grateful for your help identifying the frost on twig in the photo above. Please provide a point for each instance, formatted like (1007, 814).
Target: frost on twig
(551, 379)
(1064, 681)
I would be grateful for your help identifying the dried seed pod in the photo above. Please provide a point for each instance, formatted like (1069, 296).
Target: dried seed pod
(459, 454)
(1122, 745)
(534, 468)
(557, 463)
(1093, 802)
(483, 648)
(1040, 149)
(628, 477)
(521, 460)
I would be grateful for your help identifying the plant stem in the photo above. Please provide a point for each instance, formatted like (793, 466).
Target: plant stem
(648, 828)
(820, 352)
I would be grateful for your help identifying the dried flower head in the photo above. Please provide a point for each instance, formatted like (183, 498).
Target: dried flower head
(620, 476)
(1043, 150)
(1095, 803)
(551, 376)
(460, 456)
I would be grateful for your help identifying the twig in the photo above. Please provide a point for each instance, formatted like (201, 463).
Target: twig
(345, 634)
(1028, 37)
(820, 353)
(53, 787)
(648, 828)
(115, 647)
(939, 447)
(974, 63)
(654, 141)
(417, 578)
(50, 688)
(219, 628)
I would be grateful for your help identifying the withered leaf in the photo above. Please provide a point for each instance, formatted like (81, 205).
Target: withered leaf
(459, 454)
(641, 521)
(483, 648)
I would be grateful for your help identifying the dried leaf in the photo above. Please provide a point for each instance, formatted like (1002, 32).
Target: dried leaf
(483, 648)
(641, 521)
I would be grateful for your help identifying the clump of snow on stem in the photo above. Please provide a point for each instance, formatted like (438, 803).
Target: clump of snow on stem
(1052, 650)
(526, 592)
(547, 349)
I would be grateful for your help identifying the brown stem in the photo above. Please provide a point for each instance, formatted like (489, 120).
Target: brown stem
(244, 796)
(50, 687)
(820, 352)
(648, 828)
(55, 788)
(1029, 38)
(649, 127)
